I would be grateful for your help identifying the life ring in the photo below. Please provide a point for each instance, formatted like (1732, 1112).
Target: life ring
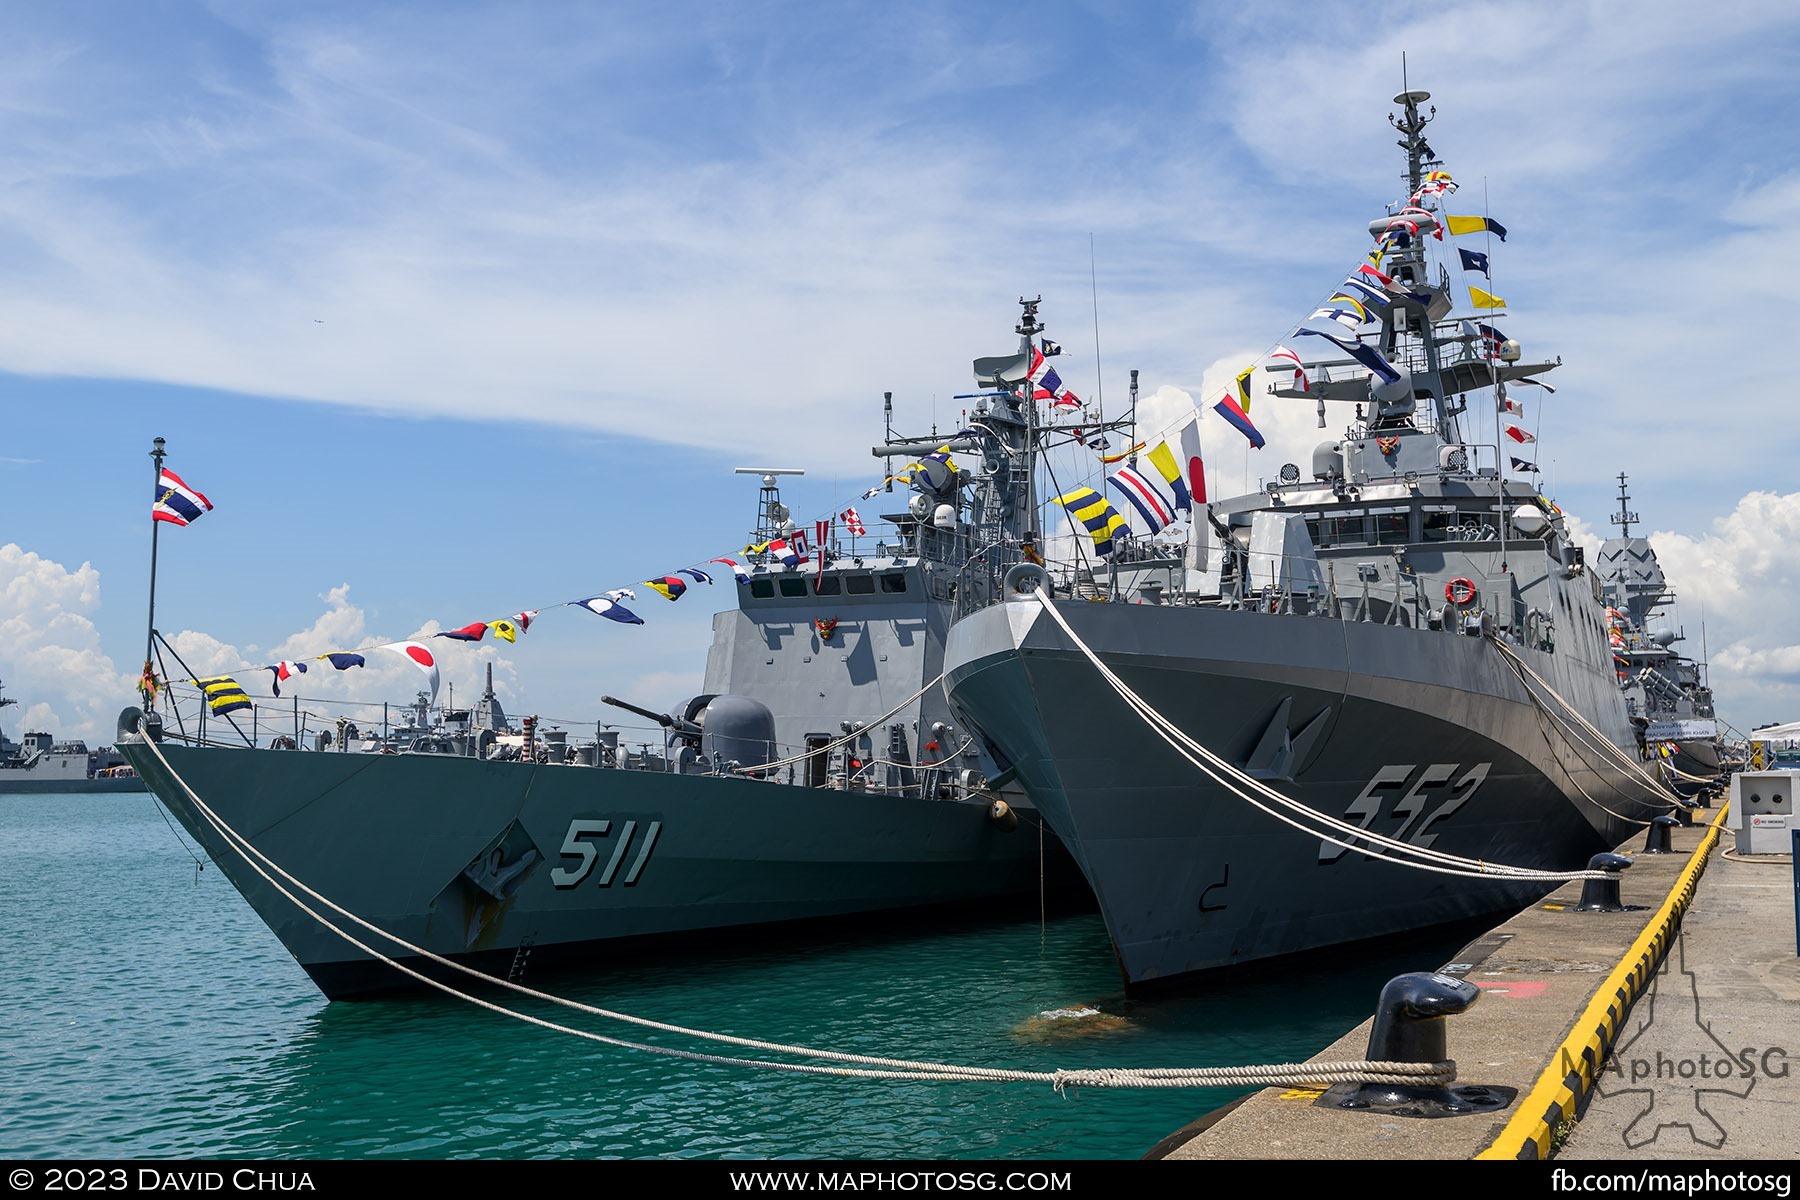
(1459, 591)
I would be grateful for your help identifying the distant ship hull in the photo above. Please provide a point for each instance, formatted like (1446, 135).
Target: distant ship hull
(1423, 736)
(506, 866)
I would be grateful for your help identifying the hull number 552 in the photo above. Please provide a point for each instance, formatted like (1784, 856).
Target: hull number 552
(583, 843)
(1414, 809)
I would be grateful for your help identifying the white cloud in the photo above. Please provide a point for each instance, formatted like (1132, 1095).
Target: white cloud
(64, 683)
(1738, 592)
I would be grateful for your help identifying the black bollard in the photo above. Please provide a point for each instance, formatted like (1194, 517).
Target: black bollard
(1684, 812)
(1602, 895)
(1409, 1027)
(1657, 842)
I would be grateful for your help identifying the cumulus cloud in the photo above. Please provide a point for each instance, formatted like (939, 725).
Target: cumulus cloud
(63, 681)
(1739, 604)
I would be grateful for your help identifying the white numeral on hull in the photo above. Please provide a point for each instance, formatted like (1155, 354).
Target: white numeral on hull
(1411, 806)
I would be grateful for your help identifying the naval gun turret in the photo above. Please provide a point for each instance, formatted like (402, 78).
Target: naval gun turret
(711, 733)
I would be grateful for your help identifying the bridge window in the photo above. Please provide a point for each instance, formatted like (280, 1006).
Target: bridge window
(830, 585)
(860, 585)
(762, 589)
(893, 582)
(793, 585)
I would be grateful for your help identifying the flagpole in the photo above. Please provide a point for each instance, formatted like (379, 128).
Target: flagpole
(144, 688)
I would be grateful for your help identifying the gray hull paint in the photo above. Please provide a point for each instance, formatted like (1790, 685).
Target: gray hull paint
(1192, 878)
(398, 839)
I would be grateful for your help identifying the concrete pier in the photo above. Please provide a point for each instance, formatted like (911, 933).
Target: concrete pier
(1667, 1030)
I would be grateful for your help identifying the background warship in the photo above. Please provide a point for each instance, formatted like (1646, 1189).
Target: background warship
(38, 762)
(1665, 691)
(1384, 700)
(820, 775)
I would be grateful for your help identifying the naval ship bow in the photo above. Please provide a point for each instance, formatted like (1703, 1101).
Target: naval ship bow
(818, 777)
(1374, 700)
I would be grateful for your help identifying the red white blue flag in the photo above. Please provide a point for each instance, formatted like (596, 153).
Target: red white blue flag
(176, 502)
(1151, 504)
(285, 671)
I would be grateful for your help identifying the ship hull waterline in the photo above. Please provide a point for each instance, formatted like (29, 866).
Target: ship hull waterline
(1191, 878)
(66, 786)
(508, 866)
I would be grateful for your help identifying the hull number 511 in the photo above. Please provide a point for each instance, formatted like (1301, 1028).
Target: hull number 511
(582, 843)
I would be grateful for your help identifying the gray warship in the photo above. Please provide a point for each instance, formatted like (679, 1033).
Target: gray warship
(1350, 698)
(820, 775)
(1665, 690)
(41, 763)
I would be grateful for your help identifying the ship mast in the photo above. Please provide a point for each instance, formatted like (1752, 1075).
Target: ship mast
(1028, 328)
(1624, 517)
(1411, 268)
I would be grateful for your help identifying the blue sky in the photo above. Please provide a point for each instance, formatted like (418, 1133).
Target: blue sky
(455, 309)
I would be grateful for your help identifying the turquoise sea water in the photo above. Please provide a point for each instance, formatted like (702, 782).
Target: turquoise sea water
(151, 1015)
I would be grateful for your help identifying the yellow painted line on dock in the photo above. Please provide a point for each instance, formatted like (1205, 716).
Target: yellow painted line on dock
(1572, 1072)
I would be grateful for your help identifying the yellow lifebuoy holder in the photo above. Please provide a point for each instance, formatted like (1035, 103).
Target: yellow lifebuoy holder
(1001, 814)
(1459, 590)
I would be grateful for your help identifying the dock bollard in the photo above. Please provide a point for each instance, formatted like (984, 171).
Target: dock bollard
(1657, 841)
(1409, 1027)
(1602, 895)
(1684, 812)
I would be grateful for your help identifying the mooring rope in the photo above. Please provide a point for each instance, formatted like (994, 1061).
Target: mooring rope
(1236, 782)
(1632, 769)
(1546, 717)
(870, 1066)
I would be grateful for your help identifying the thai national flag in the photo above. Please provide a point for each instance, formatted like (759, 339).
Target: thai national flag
(1227, 408)
(176, 502)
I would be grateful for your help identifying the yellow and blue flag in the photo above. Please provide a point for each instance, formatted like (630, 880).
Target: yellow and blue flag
(223, 694)
(1096, 515)
(1461, 225)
